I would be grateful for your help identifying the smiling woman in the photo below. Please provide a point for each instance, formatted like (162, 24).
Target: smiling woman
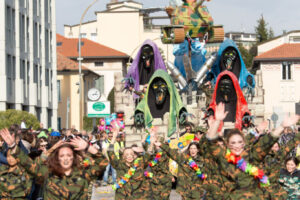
(64, 176)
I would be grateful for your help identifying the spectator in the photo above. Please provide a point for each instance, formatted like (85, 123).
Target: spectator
(290, 178)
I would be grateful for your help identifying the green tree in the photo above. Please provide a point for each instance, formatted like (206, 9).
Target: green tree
(271, 34)
(10, 117)
(247, 57)
(262, 30)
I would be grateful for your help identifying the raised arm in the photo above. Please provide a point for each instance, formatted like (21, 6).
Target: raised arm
(265, 143)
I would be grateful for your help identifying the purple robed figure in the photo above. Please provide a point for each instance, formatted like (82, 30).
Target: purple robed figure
(146, 62)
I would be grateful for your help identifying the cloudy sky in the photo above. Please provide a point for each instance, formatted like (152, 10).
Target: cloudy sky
(235, 15)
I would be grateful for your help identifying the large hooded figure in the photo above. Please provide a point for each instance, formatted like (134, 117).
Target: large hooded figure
(228, 91)
(229, 58)
(146, 62)
(161, 97)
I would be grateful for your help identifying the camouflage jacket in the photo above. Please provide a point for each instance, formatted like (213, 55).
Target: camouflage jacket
(240, 185)
(275, 161)
(72, 187)
(138, 187)
(15, 183)
(161, 182)
(189, 185)
(215, 187)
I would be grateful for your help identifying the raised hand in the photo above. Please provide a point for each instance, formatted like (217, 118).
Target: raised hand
(7, 137)
(220, 113)
(262, 126)
(79, 144)
(290, 121)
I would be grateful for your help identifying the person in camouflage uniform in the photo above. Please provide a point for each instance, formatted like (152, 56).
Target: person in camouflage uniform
(15, 182)
(239, 184)
(161, 182)
(64, 178)
(189, 185)
(274, 161)
(137, 187)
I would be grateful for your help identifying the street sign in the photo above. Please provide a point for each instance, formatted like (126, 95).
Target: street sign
(274, 117)
(98, 109)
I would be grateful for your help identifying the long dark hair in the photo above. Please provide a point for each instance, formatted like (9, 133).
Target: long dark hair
(53, 161)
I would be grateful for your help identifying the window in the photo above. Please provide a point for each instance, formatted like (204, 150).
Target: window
(94, 37)
(99, 84)
(58, 44)
(59, 123)
(83, 35)
(58, 91)
(22, 69)
(35, 74)
(47, 77)
(286, 71)
(99, 64)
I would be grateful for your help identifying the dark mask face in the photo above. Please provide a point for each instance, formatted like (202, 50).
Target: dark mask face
(160, 89)
(226, 89)
(147, 56)
(229, 59)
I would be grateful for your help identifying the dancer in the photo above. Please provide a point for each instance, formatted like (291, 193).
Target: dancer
(63, 174)
(240, 167)
(131, 182)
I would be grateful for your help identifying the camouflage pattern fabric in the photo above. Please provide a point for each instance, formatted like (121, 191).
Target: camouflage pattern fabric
(215, 186)
(138, 187)
(189, 186)
(196, 22)
(73, 187)
(272, 165)
(240, 185)
(15, 183)
(161, 183)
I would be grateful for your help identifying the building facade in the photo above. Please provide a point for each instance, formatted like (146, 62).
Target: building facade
(279, 62)
(100, 63)
(68, 91)
(245, 39)
(28, 58)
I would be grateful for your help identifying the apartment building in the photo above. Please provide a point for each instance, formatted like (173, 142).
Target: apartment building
(28, 58)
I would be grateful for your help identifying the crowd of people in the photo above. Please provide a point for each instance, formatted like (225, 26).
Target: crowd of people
(63, 165)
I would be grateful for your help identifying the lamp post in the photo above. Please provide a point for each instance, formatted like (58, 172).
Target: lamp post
(79, 64)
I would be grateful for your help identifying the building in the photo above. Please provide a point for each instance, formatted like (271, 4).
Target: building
(279, 62)
(124, 26)
(100, 63)
(68, 91)
(245, 39)
(28, 58)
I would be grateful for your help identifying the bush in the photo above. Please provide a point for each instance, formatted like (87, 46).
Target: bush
(10, 117)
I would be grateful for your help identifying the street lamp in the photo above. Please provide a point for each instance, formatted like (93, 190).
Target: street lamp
(79, 62)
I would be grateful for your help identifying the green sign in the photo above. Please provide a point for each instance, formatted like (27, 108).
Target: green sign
(99, 106)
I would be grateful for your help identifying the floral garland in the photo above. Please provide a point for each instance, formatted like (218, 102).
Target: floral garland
(152, 164)
(195, 167)
(86, 162)
(248, 168)
(127, 176)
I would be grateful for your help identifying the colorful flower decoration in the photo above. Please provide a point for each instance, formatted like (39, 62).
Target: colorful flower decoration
(86, 162)
(127, 176)
(152, 164)
(195, 167)
(248, 168)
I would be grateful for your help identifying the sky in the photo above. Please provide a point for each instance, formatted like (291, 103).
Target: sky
(234, 15)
